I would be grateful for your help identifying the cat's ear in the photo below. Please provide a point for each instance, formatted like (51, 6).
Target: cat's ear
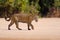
(37, 13)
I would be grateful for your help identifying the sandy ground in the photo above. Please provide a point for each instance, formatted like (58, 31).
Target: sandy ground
(44, 29)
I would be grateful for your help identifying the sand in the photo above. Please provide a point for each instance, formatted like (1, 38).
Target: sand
(44, 29)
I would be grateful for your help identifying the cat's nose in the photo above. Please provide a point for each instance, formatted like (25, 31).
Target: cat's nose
(36, 20)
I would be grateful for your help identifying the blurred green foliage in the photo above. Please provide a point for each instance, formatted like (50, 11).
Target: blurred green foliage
(57, 3)
(23, 5)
